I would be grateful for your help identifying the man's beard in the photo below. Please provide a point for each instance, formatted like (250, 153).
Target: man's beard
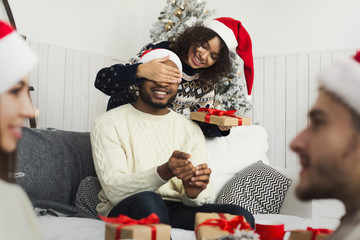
(147, 99)
(330, 179)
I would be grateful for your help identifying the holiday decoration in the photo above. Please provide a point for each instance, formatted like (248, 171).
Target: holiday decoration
(219, 117)
(311, 234)
(231, 93)
(217, 225)
(123, 227)
(174, 19)
(168, 26)
(178, 12)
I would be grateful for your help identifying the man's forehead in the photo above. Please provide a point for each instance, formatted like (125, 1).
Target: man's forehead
(326, 105)
(171, 63)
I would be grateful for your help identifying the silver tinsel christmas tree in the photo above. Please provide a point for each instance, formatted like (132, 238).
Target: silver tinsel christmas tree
(231, 93)
(174, 19)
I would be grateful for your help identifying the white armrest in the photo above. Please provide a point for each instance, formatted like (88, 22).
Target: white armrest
(292, 205)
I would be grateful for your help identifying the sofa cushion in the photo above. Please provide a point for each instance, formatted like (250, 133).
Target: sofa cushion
(244, 146)
(258, 188)
(87, 195)
(51, 164)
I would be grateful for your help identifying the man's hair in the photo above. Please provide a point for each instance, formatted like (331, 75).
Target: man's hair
(355, 116)
(197, 35)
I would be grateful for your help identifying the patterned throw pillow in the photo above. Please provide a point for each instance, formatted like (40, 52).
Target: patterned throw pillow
(258, 188)
(87, 195)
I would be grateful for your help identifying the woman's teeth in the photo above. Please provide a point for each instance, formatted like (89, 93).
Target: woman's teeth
(197, 60)
(161, 93)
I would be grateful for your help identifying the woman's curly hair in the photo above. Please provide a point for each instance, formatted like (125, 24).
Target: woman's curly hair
(197, 35)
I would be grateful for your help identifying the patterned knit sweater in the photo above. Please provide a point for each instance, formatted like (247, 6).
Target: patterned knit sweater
(119, 82)
(128, 145)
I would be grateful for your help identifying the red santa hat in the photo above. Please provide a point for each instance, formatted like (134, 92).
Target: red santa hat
(238, 40)
(343, 80)
(16, 57)
(160, 53)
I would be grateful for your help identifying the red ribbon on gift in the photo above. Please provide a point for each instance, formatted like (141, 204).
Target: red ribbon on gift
(217, 112)
(316, 231)
(226, 225)
(126, 221)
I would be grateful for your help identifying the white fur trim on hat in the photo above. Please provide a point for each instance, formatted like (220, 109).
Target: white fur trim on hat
(224, 32)
(16, 60)
(343, 80)
(161, 53)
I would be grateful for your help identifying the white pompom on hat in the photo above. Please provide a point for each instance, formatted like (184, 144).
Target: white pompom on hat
(16, 57)
(343, 80)
(238, 40)
(160, 53)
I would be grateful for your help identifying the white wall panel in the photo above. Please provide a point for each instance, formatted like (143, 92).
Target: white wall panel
(269, 104)
(291, 105)
(258, 92)
(42, 98)
(69, 89)
(284, 90)
(314, 70)
(55, 87)
(279, 111)
(302, 106)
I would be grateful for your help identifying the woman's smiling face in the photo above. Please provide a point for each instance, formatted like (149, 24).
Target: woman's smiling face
(204, 55)
(15, 106)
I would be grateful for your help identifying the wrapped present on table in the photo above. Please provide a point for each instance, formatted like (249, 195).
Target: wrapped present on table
(310, 234)
(211, 226)
(148, 228)
(219, 117)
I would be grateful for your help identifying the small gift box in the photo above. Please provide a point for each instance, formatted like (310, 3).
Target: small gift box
(219, 117)
(147, 228)
(310, 234)
(211, 226)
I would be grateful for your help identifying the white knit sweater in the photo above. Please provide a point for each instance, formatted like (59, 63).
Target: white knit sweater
(128, 145)
(17, 216)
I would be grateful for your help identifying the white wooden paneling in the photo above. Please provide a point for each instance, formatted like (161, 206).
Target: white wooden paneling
(41, 91)
(258, 92)
(314, 70)
(55, 87)
(69, 89)
(291, 105)
(279, 111)
(302, 95)
(285, 88)
(64, 87)
(34, 75)
(269, 106)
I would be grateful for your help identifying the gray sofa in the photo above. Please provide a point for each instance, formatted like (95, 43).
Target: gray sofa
(51, 165)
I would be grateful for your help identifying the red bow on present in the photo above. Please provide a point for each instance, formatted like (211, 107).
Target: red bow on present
(226, 225)
(217, 112)
(317, 231)
(126, 221)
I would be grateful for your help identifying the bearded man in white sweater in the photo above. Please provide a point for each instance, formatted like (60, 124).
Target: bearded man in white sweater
(150, 159)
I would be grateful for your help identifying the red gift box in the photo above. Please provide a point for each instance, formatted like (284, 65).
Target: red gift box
(211, 226)
(147, 228)
(219, 117)
(310, 234)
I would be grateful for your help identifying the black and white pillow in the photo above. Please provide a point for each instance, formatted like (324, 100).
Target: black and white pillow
(258, 188)
(87, 195)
